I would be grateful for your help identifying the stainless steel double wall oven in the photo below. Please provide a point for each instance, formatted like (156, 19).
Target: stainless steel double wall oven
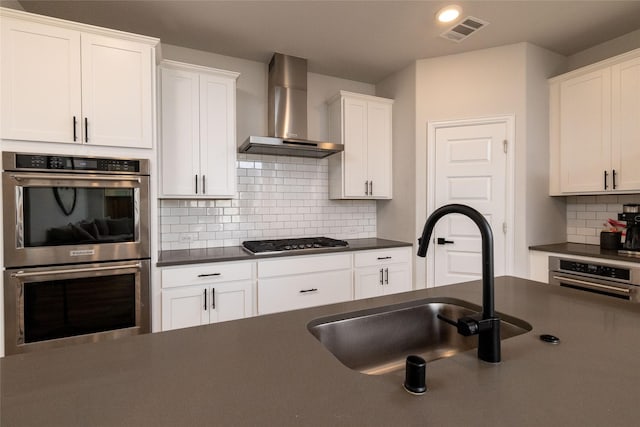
(76, 249)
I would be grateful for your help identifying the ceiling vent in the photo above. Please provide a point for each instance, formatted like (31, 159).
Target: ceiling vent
(464, 29)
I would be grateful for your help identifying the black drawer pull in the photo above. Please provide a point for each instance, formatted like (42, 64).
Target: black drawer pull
(210, 274)
(304, 291)
(384, 257)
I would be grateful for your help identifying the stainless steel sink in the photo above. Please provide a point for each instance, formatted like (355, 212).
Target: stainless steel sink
(378, 340)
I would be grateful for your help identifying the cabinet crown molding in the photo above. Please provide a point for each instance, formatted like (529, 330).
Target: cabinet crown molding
(362, 96)
(177, 65)
(635, 53)
(71, 25)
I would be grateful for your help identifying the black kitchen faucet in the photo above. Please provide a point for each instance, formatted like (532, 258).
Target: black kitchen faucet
(486, 324)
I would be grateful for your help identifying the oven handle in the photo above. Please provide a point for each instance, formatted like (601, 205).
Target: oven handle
(593, 285)
(19, 177)
(20, 274)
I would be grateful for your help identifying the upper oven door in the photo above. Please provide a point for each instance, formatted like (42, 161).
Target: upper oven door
(59, 218)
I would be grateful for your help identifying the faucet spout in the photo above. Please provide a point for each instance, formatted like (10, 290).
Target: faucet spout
(488, 326)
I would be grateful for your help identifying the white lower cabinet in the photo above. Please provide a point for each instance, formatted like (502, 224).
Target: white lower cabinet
(382, 272)
(206, 293)
(304, 281)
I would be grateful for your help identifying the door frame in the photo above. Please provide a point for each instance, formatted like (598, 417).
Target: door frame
(432, 127)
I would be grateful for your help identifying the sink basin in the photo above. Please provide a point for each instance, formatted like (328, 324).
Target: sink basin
(378, 340)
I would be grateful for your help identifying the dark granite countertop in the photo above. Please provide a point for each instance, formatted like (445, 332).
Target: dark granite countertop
(236, 253)
(580, 249)
(270, 371)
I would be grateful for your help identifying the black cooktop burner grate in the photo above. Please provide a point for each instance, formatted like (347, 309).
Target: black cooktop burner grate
(280, 245)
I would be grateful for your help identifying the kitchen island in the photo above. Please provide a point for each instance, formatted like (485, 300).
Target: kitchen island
(270, 371)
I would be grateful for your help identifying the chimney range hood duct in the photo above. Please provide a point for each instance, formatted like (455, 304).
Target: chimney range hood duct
(287, 114)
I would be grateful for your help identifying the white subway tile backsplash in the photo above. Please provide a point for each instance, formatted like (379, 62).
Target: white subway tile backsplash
(586, 215)
(278, 197)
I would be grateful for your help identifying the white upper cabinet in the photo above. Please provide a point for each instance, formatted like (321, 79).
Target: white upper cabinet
(61, 82)
(595, 128)
(198, 136)
(363, 124)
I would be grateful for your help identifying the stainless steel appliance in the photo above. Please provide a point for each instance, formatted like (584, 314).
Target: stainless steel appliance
(287, 114)
(48, 307)
(68, 209)
(264, 247)
(76, 249)
(610, 280)
(631, 214)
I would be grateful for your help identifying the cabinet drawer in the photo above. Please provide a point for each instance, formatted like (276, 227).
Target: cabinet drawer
(303, 264)
(293, 292)
(206, 273)
(382, 256)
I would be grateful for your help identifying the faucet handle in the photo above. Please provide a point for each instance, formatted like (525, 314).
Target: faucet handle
(466, 325)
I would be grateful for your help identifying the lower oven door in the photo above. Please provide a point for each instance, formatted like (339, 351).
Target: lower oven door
(56, 306)
(598, 286)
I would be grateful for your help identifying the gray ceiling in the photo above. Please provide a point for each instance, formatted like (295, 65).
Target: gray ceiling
(358, 40)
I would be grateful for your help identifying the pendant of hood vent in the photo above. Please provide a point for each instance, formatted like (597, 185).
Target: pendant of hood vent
(287, 114)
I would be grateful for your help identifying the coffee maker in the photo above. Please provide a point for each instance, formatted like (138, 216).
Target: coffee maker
(631, 214)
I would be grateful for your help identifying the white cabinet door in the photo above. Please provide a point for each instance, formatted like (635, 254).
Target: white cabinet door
(303, 290)
(218, 135)
(355, 148)
(40, 82)
(185, 307)
(231, 301)
(117, 92)
(625, 149)
(369, 282)
(397, 278)
(363, 124)
(198, 148)
(585, 132)
(180, 148)
(379, 153)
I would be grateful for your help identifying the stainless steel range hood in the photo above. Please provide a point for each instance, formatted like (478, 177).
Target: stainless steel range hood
(287, 114)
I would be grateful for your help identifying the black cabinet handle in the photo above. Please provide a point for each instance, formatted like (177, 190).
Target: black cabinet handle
(75, 125)
(366, 188)
(443, 241)
(613, 176)
(204, 188)
(381, 277)
(86, 130)
(213, 298)
(196, 184)
(371, 188)
(209, 274)
(605, 179)
(304, 291)
(384, 257)
(205, 299)
(386, 272)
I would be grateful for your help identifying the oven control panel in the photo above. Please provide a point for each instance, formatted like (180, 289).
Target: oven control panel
(74, 163)
(595, 269)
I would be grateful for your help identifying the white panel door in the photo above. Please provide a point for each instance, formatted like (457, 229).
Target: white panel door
(470, 169)
(368, 282)
(379, 148)
(585, 132)
(40, 82)
(116, 92)
(625, 127)
(185, 307)
(180, 123)
(231, 301)
(217, 136)
(355, 147)
(397, 278)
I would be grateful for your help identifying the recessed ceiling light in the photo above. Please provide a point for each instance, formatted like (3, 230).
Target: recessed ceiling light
(448, 13)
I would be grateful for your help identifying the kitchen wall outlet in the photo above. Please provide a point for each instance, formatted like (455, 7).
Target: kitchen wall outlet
(185, 238)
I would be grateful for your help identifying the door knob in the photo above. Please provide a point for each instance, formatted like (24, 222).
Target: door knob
(443, 241)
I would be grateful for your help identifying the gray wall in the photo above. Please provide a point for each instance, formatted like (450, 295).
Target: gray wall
(490, 82)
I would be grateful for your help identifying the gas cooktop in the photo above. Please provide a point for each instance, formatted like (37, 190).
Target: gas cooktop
(264, 247)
